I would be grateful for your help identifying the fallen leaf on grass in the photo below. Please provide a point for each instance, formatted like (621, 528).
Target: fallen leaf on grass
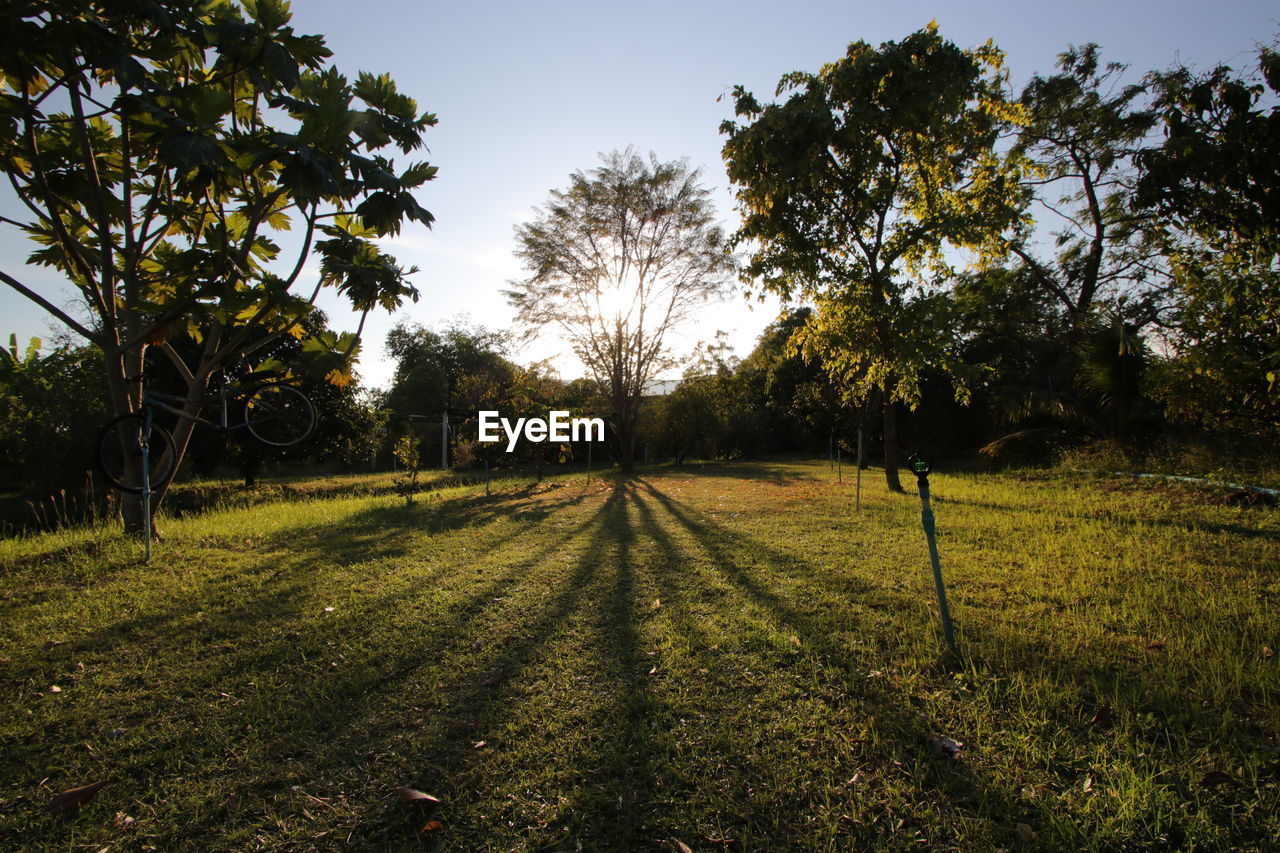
(657, 603)
(480, 744)
(1267, 652)
(73, 798)
(52, 643)
(328, 610)
(430, 826)
(415, 797)
(1214, 778)
(947, 746)
(122, 821)
(1156, 645)
(1102, 717)
(681, 846)
(795, 641)
(55, 689)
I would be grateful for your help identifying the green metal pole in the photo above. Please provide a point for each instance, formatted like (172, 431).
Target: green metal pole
(921, 468)
(144, 441)
(857, 499)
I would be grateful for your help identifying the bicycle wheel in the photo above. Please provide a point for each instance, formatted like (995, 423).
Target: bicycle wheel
(279, 415)
(120, 453)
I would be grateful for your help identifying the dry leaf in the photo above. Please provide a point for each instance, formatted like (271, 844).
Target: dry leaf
(795, 641)
(480, 744)
(1156, 645)
(657, 602)
(1102, 717)
(55, 689)
(328, 610)
(1088, 784)
(947, 746)
(52, 643)
(415, 797)
(123, 821)
(1267, 652)
(430, 826)
(681, 846)
(73, 798)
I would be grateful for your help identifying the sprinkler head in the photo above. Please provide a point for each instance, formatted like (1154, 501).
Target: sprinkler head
(920, 466)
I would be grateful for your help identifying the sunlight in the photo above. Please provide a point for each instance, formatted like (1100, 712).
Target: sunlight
(617, 299)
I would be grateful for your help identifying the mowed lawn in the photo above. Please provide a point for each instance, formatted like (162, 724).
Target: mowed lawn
(719, 658)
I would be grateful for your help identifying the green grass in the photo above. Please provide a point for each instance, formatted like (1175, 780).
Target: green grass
(725, 657)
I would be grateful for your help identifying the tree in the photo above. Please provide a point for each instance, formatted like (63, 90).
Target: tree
(50, 406)
(852, 186)
(459, 369)
(1215, 182)
(347, 423)
(430, 365)
(616, 262)
(158, 148)
(1079, 134)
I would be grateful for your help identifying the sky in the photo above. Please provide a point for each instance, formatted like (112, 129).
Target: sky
(528, 93)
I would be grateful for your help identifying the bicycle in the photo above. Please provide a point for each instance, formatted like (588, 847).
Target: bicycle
(275, 413)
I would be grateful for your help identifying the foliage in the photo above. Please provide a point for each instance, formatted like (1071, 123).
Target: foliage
(159, 148)
(1078, 136)
(409, 457)
(51, 405)
(851, 188)
(349, 424)
(1214, 180)
(460, 369)
(435, 370)
(616, 262)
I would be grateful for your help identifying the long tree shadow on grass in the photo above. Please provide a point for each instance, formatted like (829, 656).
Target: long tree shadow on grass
(591, 608)
(1095, 679)
(903, 736)
(249, 676)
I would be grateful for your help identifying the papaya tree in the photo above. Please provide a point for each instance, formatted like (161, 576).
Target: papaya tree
(159, 150)
(851, 188)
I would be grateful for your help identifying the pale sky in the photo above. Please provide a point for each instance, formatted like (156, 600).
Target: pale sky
(527, 93)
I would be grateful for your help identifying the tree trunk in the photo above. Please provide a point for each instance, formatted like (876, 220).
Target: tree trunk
(626, 449)
(890, 439)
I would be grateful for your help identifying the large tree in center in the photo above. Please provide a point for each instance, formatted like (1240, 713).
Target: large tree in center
(615, 262)
(851, 187)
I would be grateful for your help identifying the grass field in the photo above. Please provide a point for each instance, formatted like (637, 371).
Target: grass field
(721, 658)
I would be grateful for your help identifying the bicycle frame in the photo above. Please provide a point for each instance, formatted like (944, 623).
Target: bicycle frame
(157, 400)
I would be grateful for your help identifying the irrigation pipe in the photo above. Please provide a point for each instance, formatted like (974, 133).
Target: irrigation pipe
(1198, 481)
